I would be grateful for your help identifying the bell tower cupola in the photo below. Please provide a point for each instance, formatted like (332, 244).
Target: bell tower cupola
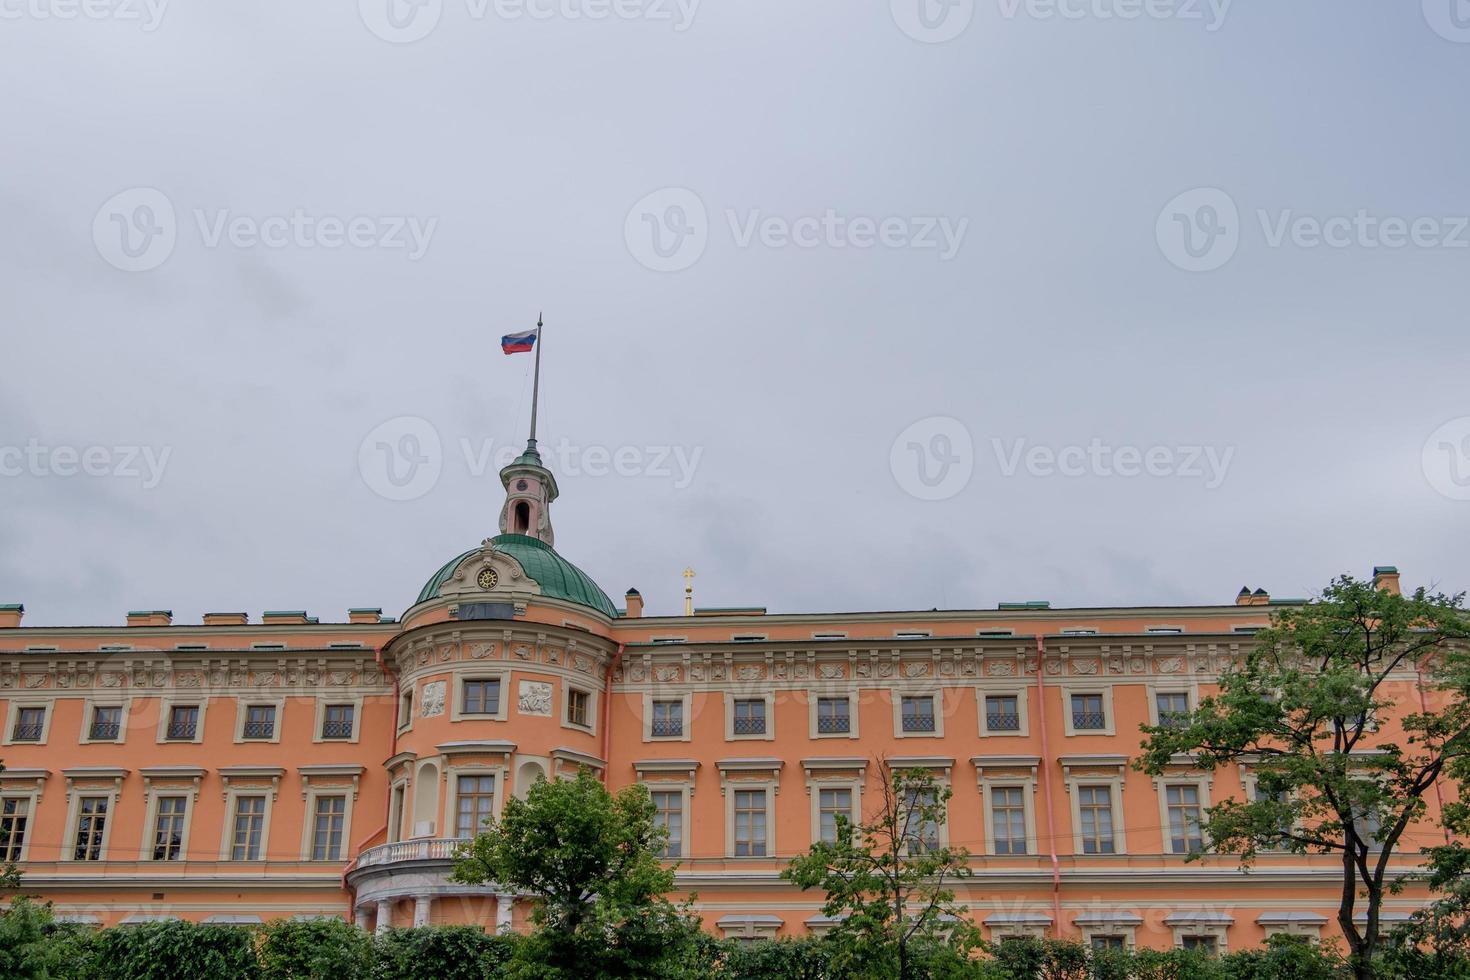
(529, 490)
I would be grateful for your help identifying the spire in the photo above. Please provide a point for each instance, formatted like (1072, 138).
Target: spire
(529, 486)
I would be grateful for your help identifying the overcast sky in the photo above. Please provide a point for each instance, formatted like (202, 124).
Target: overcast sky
(849, 304)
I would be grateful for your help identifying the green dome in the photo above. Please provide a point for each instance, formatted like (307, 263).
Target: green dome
(557, 577)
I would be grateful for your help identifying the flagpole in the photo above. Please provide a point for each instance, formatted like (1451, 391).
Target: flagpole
(536, 384)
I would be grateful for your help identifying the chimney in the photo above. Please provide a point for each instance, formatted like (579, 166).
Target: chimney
(226, 619)
(635, 604)
(10, 616)
(373, 616)
(1386, 579)
(1243, 597)
(285, 617)
(1260, 597)
(151, 617)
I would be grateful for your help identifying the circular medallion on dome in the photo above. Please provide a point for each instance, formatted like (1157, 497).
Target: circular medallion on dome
(487, 579)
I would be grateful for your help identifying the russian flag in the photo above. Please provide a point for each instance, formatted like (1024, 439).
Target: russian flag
(519, 343)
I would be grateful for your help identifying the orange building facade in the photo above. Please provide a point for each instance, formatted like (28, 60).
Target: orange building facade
(241, 771)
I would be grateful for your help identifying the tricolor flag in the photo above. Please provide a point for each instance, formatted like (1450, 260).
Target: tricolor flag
(519, 343)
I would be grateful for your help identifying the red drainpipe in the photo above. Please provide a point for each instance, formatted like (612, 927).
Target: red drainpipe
(1051, 819)
(606, 714)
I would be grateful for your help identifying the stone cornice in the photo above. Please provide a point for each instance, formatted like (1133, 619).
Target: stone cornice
(207, 673)
(481, 644)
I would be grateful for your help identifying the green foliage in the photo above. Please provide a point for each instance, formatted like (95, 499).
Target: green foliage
(168, 951)
(591, 860)
(888, 883)
(787, 959)
(1305, 707)
(26, 952)
(326, 949)
(443, 952)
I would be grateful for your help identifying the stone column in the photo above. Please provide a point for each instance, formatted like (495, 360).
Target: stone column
(503, 905)
(361, 914)
(385, 917)
(421, 905)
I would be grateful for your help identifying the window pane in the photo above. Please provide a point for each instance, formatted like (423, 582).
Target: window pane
(13, 815)
(475, 804)
(669, 813)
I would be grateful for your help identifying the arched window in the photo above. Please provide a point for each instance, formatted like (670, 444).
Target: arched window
(523, 517)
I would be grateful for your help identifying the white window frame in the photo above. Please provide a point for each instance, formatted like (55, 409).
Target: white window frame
(501, 774)
(1292, 923)
(456, 708)
(814, 695)
(74, 794)
(750, 774)
(936, 697)
(48, 705)
(684, 791)
(1010, 772)
(566, 708)
(89, 709)
(1202, 784)
(233, 776)
(669, 775)
(150, 827)
(834, 773)
(321, 716)
(769, 697)
(166, 707)
(1189, 690)
(1201, 922)
(1110, 718)
(688, 716)
(241, 706)
(1106, 771)
(1095, 924)
(25, 784)
(308, 830)
(1019, 693)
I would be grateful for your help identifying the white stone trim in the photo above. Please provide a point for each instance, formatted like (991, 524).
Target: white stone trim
(1103, 923)
(813, 695)
(241, 781)
(1015, 925)
(322, 702)
(1009, 772)
(750, 774)
(1096, 770)
(1306, 924)
(834, 773)
(242, 706)
(479, 673)
(1022, 713)
(111, 779)
(1105, 689)
(1200, 922)
(896, 697)
(47, 704)
(89, 710)
(688, 716)
(567, 687)
(182, 781)
(768, 697)
(166, 705)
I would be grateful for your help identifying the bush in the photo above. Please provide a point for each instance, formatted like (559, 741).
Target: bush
(168, 951)
(442, 952)
(26, 951)
(327, 949)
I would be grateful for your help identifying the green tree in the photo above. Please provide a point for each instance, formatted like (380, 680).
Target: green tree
(326, 949)
(444, 953)
(888, 883)
(26, 949)
(169, 950)
(591, 860)
(1304, 709)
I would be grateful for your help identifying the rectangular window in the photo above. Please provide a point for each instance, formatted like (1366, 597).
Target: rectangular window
(918, 714)
(1100, 943)
(921, 832)
(1008, 819)
(249, 824)
(833, 716)
(1002, 713)
(29, 724)
(91, 821)
(13, 814)
(260, 721)
(1173, 708)
(750, 823)
(183, 723)
(168, 828)
(750, 716)
(668, 719)
(668, 807)
(481, 696)
(474, 803)
(337, 721)
(326, 828)
(1095, 807)
(1183, 804)
(1087, 712)
(831, 804)
(1204, 944)
(106, 723)
(578, 703)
